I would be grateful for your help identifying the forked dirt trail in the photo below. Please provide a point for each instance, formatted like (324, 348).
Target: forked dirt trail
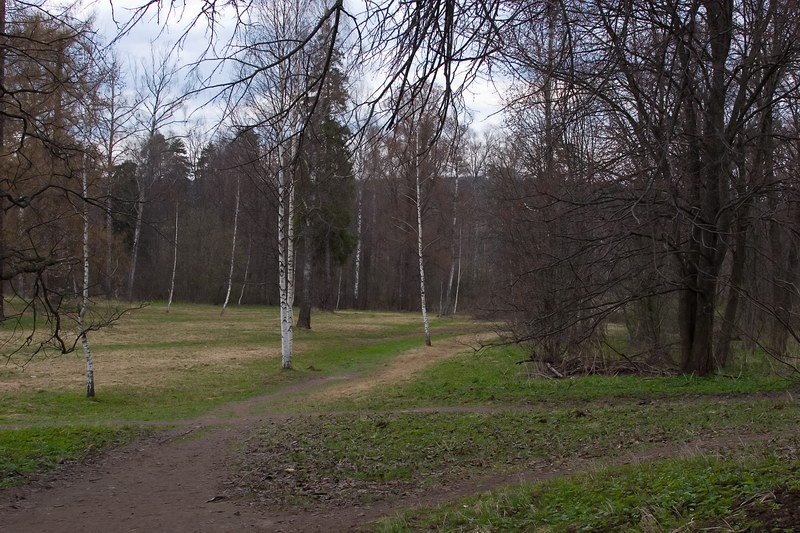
(176, 481)
(403, 367)
(180, 480)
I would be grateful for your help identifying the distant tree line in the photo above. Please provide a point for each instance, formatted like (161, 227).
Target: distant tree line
(645, 176)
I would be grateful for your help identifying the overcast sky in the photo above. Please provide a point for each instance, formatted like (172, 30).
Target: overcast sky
(158, 34)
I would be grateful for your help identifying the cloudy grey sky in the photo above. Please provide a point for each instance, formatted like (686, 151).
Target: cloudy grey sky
(157, 34)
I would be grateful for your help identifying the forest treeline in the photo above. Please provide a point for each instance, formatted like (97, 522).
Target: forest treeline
(646, 174)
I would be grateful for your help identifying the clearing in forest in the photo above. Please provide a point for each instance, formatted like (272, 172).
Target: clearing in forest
(375, 431)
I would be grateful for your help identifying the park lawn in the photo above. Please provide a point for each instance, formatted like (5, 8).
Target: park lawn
(493, 376)
(154, 366)
(468, 416)
(756, 489)
(27, 451)
(352, 458)
(478, 414)
(159, 366)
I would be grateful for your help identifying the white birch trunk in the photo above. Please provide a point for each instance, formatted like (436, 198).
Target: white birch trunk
(358, 247)
(458, 279)
(290, 268)
(426, 325)
(85, 293)
(174, 260)
(452, 249)
(286, 361)
(112, 292)
(137, 231)
(338, 290)
(233, 247)
(246, 268)
(20, 225)
(285, 258)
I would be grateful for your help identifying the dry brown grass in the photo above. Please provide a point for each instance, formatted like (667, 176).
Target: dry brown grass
(149, 347)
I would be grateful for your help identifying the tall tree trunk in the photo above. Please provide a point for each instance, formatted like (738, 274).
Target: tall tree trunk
(338, 290)
(85, 290)
(21, 277)
(425, 324)
(448, 307)
(174, 260)
(233, 247)
(2, 154)
(358, 247)
(723, 353)
(327, 302)
(458, 278)
(137, 232)
(108, 281)
(709, 171)
(246, 268)
(285, 257)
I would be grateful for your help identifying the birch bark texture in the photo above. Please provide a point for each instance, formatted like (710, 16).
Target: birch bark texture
(281, 99)
(87, 352)
(233, 243)
(174, 259)
(286, 269)
(418, 200)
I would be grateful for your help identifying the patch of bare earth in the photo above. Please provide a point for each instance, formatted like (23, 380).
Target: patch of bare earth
(775, 511)
(175, 482)
(335, 512)
(184, 480)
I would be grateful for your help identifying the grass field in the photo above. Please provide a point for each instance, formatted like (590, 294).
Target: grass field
(371, 416)
(154, 366)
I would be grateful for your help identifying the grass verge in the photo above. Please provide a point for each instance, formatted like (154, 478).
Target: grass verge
(355, 458)
(493, 376)
(756, 491)
(186, 380)
(159, 366)
(27, 451)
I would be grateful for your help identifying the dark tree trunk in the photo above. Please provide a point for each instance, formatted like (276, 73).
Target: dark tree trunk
(723, 354)
(2, 148)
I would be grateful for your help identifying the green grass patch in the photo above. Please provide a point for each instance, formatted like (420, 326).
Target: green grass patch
(187, 383)
(197, 389)
(346, 456)
(192, 360)
(26, 451)
(662, 496)
(493, 376)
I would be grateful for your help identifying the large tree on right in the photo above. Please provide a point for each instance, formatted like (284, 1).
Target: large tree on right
(665, 129)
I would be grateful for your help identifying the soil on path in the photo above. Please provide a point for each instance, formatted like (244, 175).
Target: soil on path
(404, 366)
(176, 481)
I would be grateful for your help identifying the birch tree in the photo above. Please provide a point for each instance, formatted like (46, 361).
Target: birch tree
(454, 165)
(174, 258)
(418, 204)
(84, 299)
(159, 107)
(273, 106)
(115, 128)
(233, 244)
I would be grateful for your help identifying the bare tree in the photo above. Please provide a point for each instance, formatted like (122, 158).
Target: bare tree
(160, 104)
(115, 128)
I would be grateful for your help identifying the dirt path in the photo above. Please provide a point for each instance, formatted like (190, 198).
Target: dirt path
(176, 481)
(358, 519)
(404, 366)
